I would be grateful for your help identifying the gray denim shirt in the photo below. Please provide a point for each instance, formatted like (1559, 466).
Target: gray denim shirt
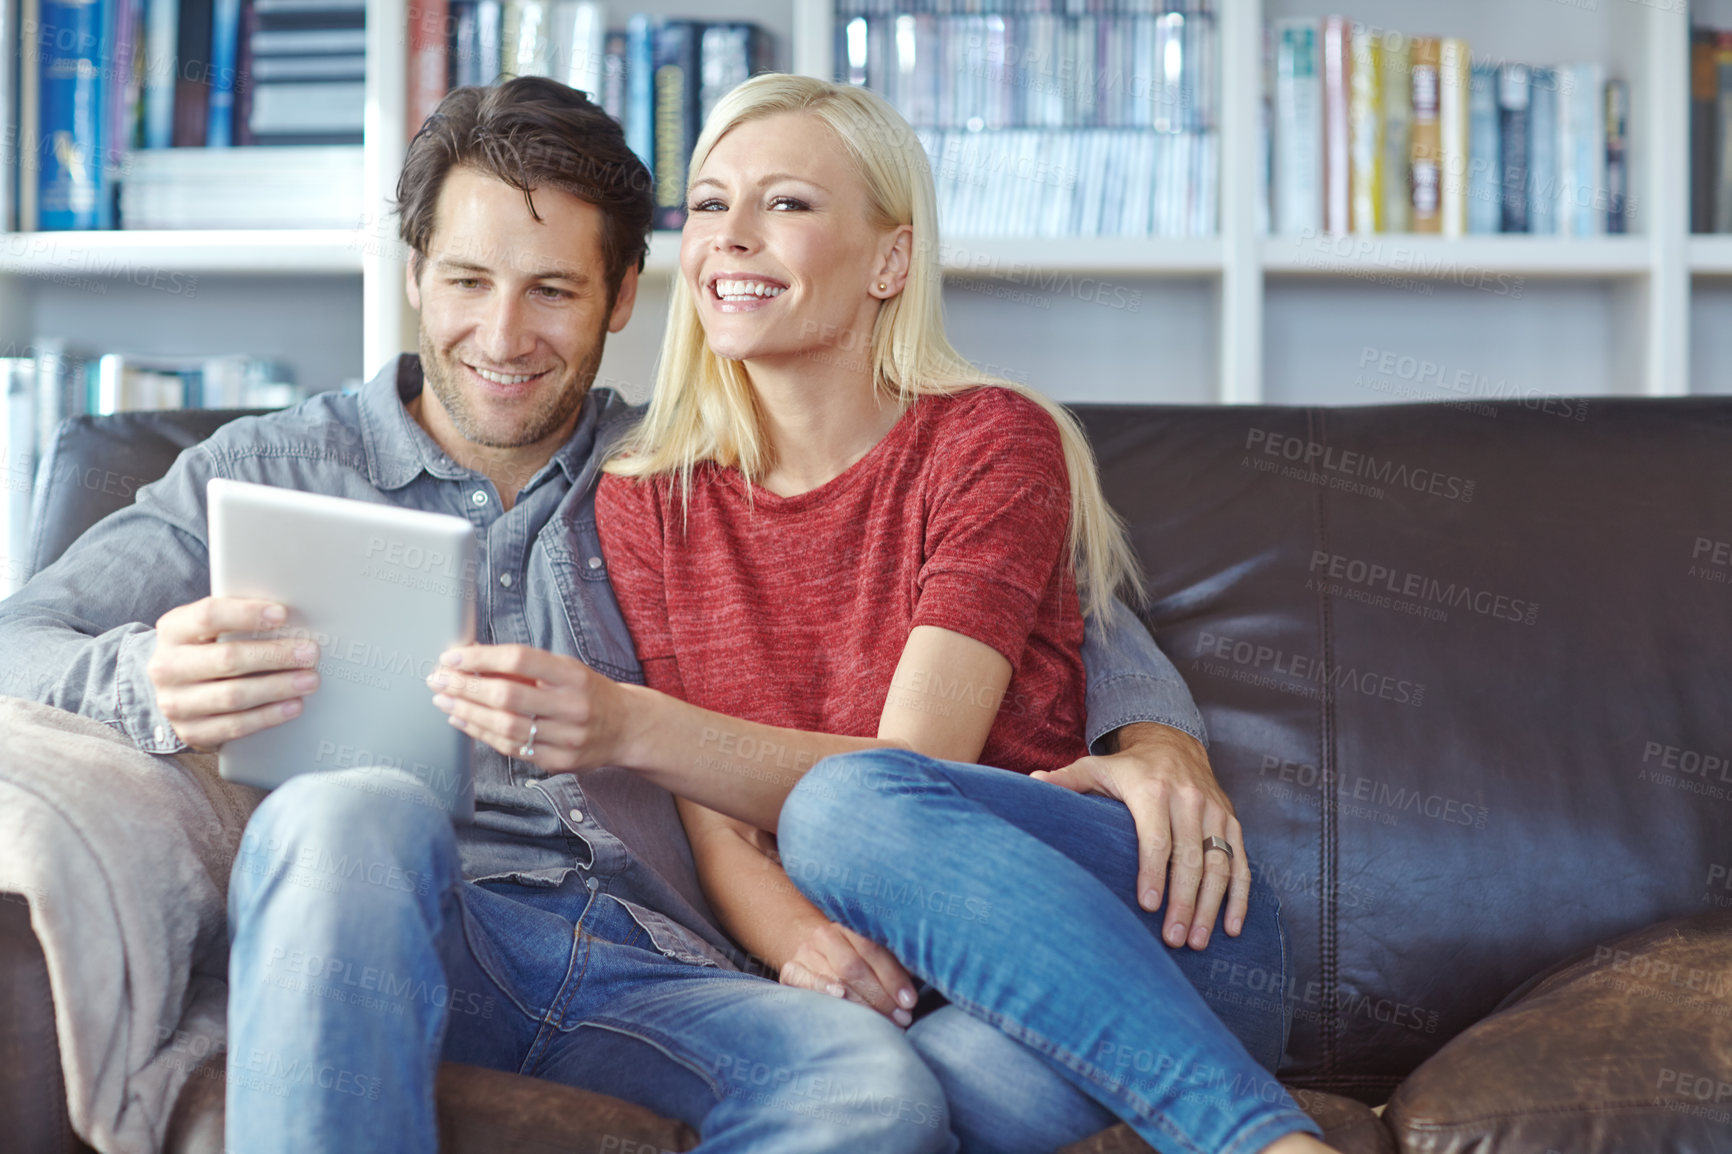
(78, 635)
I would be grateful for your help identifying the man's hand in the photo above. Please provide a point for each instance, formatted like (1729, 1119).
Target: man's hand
(1162, 774)
(215, 691)
(495, 693)
(837, 961)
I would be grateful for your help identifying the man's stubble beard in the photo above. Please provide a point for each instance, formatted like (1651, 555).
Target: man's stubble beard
(558, 404)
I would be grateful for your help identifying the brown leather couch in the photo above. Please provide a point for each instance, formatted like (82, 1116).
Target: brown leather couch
(1464, 671)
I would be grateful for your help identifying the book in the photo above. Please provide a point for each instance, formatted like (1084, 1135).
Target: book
(192, 72)
(1427, 136)
(639, 122)
(17, 466)
(1581, 150)
(30, 143)
(524, 38)
(1337, 132)
(1704, 128)
(1484, 166)
(1366, 123)
(729, 54)
(8, 123)
(73, 187)
(161, 35)
(426, 63)
(306, 64)
(1397, 52)
(1513, 98)
(225, 48)
(613, 83)
(1617, 160)
(676, 79)
(1454, 83)
(1542, 182)
(577, 33)
(1723, 121)
(312, 109)
(59, 381)
(1298, 168)
(301, 186)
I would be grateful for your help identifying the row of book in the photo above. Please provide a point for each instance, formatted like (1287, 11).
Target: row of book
(1375, 131)
(99, 84)
(1119, 64)
(1097, 120)
(55, 382)
(658, 78)
(1078, 182)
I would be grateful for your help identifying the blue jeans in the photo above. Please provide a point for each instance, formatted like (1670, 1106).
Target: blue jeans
(1014, 899)
(360, 958)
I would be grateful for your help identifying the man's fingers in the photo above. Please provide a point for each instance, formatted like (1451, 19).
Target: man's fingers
(208, 734)
(1151, 811)
(1187, 867)
(1239, 890)
(1217, 872)
(211, 699)
(1074, 777)
(199, 662)
(207, 618)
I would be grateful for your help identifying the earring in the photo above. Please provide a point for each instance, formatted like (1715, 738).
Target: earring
(882, 286)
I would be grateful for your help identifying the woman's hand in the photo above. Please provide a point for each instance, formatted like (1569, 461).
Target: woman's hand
(837, 961)
(1163, 776)
(494, 693)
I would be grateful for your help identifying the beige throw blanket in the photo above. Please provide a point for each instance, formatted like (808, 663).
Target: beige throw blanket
(125, 859)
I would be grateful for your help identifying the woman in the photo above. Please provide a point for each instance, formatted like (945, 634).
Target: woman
(830, 523)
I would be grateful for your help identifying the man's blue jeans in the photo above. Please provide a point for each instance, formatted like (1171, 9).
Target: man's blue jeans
(360, 958)
(1014, 898)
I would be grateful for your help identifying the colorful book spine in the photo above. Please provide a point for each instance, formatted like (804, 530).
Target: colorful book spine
(640, 37)
(72, 189)
(1513, 100)
(1298, 128)
(1397, 133)
(1617, 156)
(191, 80)
(676, 81)
(1454, 86)
(1723, 166)
(1704, 128)
(1337, 127)
(428, 67)
(1484, 188)
(1543, 152)
(1427, 130)
(225, 45)
(1366, 124)
(161, 34)
(1582, 150)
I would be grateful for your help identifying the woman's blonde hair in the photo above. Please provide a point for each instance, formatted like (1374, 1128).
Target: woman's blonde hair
(704, 408)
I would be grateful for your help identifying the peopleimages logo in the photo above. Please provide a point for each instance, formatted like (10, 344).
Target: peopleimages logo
(1331, 569)
(1356, 466)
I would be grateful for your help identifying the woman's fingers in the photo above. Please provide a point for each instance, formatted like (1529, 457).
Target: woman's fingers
(872, 976)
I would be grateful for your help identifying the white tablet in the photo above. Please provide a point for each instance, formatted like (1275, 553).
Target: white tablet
(383, 591)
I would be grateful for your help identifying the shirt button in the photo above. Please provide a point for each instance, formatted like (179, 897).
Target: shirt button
(162, 735)
(589, 883)
(478, 497)
(576, 815)
(594, 562)
(505, 580)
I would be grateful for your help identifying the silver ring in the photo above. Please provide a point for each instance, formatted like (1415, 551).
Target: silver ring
(1220, 843)
(527, 749)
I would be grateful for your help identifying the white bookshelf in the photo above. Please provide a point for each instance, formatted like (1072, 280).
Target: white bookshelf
(1238, 318)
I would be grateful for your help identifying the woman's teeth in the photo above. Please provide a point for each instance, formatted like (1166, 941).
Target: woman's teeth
(735, 290)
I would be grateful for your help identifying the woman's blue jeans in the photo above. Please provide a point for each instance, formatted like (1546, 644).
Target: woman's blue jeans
(1014, 898)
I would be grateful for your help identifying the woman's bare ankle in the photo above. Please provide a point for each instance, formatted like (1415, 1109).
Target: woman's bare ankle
(1297, 1143)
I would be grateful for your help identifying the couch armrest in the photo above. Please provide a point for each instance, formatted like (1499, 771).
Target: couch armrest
(32, 1093)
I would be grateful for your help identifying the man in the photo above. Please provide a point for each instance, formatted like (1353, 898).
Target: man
(563, 934)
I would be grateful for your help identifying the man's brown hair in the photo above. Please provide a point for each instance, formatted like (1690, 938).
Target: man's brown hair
(531, 133)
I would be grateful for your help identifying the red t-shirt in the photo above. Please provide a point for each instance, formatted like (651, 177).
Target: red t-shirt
(793, 611)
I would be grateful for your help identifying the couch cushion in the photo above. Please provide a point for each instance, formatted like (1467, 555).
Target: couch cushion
(1349, 1126)
(1463, 669)
(1627, 1047)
